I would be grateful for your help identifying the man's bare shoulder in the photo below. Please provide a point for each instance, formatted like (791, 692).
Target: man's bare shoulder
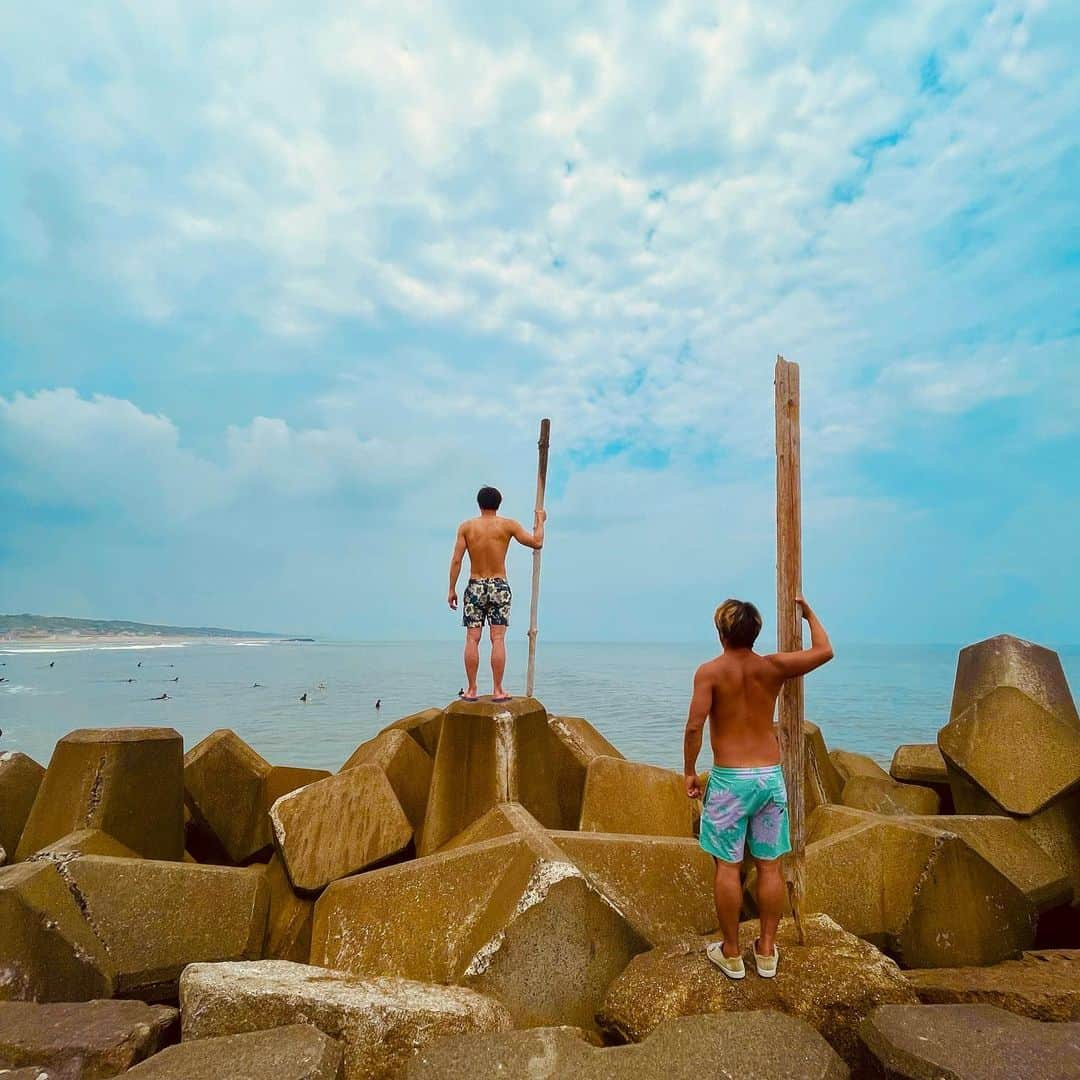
(709, 671)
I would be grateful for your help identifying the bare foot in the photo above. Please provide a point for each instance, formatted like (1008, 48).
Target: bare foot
(470, 695)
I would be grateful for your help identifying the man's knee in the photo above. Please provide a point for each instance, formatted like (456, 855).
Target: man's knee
(473, 633)
(767, 868)
(498, 633)
(724, 868)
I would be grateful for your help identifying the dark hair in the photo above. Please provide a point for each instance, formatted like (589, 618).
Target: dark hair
(489, 498)
(738, 622)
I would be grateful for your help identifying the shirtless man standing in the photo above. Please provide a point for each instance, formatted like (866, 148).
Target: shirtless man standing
(487, 597)
(737, 694)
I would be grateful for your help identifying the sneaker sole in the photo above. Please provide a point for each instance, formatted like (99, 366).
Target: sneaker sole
(734, 976)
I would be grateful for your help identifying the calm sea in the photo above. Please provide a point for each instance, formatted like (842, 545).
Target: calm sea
(871, 698)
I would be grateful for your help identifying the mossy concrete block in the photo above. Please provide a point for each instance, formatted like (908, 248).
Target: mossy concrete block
(128, 782)
(919, 763)
(20, 778)
(1042, 985)
(883, 795)
(47, 950)
(154, 918)
(407, 767)
(381, 1022)
(832, 983)
(762, 1045)
(288, 931)
(629, 797)
(576, 742)
(423, 727)
(969, 1042)
(924, 895)
(848, 764)
(339, 826)
(90, 1040)
(224, 781)
(512, 916)
(297, 1052)
(489, 753)
(663, 885)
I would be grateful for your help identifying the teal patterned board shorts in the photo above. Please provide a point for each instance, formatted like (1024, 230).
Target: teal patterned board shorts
(741, 801)
(486, 600)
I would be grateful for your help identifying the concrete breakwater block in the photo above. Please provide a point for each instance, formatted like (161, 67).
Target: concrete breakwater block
(94, 926)
(379, 1022)
(407, 766)
(422, 727)
(20, 778)
(92, 1039)
(883, 795)
(763, 1045)
(969, 1042)
(924, 895)
(1012, 744)
(575, 744)
(1043, 985)
(224, 781)
(832, 983)
(822, 783)
(999, 840)
(297, 1052)
(128, 782)
(339, 826)
(627, 797)
(511, 916)
(489, 753)
(919, 763)
(848, 764)
(288, 929)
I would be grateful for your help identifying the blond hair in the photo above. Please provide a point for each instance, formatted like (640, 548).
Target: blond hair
(738, 623)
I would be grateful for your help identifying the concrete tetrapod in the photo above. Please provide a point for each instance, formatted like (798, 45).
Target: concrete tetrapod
(297, 1052)
(822, 783)
(339, 826)
(832, 983)
(288, 930)
(969, 1042)
(576, 742)
(512, 917)
(848, 764)
(919, 763)
(999, 840)
(489, 753)
(20, 778)
(1042, 985)
(88, 1040)
(151, 919)
(883, 795)
(407, 767)
(924, 895)
(128, 782)
(423, 727)
(1012, 744)
(628, 797)
(380, 1022)
(224, 782)
(762, 1045)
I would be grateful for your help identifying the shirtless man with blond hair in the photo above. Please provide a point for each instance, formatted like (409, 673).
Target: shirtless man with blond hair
(487, 597)
(745, 795)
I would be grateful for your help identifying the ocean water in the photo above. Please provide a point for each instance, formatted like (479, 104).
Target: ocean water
(870, 698)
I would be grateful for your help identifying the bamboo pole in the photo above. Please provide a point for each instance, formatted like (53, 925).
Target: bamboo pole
(789, 621)
(534, 607)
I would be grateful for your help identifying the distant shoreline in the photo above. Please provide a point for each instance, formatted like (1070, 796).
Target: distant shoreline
(25, 642)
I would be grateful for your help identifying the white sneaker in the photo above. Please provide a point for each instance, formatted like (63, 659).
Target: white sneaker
(766, 965)
(732, 966)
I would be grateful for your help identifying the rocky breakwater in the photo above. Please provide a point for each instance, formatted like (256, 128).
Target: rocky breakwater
(491, 890)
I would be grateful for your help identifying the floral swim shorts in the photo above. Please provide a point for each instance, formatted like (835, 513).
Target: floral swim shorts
(486, 599)
(741, 800)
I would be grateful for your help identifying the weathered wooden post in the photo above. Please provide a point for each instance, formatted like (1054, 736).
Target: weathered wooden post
(789, 621)
(534, 608)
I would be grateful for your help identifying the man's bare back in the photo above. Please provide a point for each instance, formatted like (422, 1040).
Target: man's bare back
(487, 539)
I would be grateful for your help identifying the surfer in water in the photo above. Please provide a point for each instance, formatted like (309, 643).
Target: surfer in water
(487, 597)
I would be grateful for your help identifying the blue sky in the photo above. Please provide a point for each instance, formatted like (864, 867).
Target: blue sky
(282, 284)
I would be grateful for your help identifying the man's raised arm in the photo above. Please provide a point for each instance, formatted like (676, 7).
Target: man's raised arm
(695, 725)
(535, 539)
(790, 665)
(455, 567)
